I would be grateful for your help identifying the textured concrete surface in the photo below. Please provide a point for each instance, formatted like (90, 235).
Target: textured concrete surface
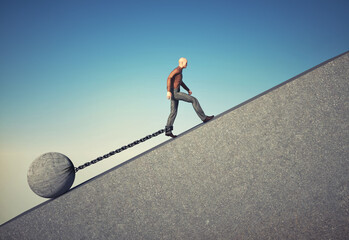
(275, 167)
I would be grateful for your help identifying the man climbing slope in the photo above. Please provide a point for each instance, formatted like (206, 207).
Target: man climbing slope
(174, 82)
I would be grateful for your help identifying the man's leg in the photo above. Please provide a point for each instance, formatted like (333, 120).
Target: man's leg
(196, 105)
(172, 116)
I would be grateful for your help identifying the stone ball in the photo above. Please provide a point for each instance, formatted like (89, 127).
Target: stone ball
(51, 174)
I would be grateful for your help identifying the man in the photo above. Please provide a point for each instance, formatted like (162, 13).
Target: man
(174, 82)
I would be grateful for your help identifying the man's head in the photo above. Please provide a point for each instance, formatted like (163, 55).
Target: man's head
(183, 62)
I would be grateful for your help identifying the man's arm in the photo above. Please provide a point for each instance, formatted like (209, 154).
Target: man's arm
(169, 82)
(185, 86)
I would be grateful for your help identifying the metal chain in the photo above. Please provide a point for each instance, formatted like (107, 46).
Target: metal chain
(119, 150)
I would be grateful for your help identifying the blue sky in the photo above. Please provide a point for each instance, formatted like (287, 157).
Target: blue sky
(86, 77)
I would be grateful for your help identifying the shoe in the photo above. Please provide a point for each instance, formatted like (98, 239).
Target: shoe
(170, 134)
(208, 118)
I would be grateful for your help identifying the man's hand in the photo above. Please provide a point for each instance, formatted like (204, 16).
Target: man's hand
(169, 95)
(190, 92)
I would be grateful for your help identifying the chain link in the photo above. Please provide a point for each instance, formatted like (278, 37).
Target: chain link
(119, 150)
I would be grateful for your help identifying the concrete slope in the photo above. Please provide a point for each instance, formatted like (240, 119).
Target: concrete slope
(275, 167)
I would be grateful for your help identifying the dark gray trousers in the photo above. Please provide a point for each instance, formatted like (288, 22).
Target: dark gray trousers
(176, 97)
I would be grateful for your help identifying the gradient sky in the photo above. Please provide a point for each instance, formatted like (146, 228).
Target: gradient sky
(86, 77)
